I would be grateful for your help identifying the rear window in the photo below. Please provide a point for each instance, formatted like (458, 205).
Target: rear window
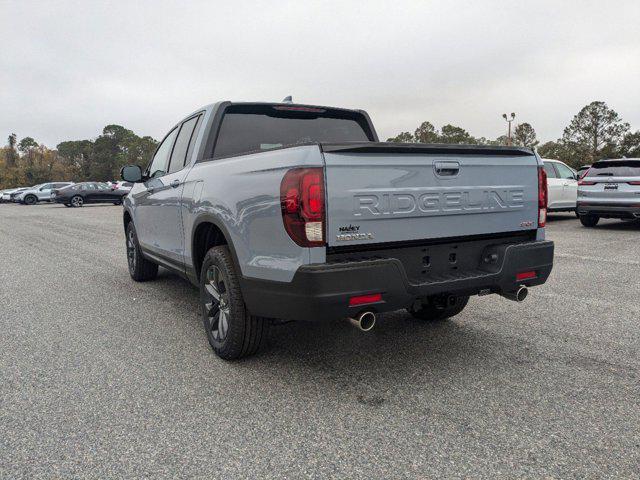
(616, 168)
(258, 128)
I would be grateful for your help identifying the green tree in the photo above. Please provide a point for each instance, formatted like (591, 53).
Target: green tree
(404, 137)
(594, 133)
(525, 136)
(11, 155)
(426, 133)
(453, 134)
(630, 145)
(26, 144)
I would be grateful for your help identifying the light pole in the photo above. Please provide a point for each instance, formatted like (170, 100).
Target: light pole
(509, 120)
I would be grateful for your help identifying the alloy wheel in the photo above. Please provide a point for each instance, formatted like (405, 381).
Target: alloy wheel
(216, 304)
(77, 201)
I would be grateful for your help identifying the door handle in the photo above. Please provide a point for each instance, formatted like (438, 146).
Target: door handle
(175, 183)
(446, 169)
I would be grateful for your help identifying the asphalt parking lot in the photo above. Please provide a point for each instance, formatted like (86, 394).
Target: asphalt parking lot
(103, 377)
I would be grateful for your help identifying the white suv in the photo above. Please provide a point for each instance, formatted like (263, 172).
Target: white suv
(562, 182)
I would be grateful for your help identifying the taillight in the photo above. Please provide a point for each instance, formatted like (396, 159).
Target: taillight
(543, 195)
(582, 180)
(634, 183)
(302, 203)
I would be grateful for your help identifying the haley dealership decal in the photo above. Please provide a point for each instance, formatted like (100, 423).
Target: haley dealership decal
(352, 232)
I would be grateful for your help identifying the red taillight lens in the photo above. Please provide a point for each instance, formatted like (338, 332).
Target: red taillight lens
(633, 183)
(302, 203)
(582, 181)
(365, 299)
(543, 195)
(525, 275)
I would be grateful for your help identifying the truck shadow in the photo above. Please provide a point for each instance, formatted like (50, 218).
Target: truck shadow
(335, 353)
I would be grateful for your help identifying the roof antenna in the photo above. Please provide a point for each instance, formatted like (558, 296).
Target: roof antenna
(287, 99)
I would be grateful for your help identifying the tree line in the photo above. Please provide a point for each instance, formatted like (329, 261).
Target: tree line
(594, 133)
(25, 162)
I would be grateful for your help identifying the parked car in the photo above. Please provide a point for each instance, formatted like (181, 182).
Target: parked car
(6, 194)
(40, 193)
(610, 189)
(121, 185)
(88, 192)
(298, 212)
(563, 186)
(583, 170)
(13, 196)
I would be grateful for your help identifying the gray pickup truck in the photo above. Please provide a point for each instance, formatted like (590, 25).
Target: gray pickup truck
(288, 211)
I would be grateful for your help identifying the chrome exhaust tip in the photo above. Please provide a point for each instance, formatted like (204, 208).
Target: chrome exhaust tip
(517, 296)
(364, 321)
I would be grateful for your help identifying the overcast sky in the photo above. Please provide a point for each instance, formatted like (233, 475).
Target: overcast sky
(69, 68)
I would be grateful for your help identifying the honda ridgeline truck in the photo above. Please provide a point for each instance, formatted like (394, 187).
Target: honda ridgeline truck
(287, 211)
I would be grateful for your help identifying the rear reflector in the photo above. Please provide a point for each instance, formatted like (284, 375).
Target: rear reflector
(365, 299)
(526, 275)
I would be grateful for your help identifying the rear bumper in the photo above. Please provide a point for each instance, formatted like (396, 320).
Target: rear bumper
(608, 210)
(322, 292)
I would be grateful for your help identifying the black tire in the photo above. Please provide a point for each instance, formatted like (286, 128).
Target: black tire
(30, 200)
(140, 269)
(117, 202)
(77, 201)
(434, 311)
(589, 220)
(232, 331)
(577, 214)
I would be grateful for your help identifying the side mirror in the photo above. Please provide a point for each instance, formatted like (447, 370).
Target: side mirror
(131, 173)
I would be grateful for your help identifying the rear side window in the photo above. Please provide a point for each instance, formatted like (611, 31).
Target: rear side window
(182, 145)
(551, 172)
(564, 171)
(616, 168)
(258, 128)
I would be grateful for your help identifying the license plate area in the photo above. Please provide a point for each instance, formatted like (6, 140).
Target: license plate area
(611, 186)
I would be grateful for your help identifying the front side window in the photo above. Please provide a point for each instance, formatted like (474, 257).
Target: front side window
(160, 162)
(182, 145)
(551, 172)
(564, 171)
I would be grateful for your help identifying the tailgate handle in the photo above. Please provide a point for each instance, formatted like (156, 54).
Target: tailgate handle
(446, 169)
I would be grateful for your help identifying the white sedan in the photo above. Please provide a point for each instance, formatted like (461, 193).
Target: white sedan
(562, 181)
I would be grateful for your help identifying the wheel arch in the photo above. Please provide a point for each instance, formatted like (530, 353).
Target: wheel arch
(207, 232)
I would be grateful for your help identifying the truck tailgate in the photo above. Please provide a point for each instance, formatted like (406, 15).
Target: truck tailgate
(378, 193)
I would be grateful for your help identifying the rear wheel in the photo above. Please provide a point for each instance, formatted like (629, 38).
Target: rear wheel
(589, 220)
(232, 331)
(30, 200)
(77, 201)
(437, 309)
(140, 268)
